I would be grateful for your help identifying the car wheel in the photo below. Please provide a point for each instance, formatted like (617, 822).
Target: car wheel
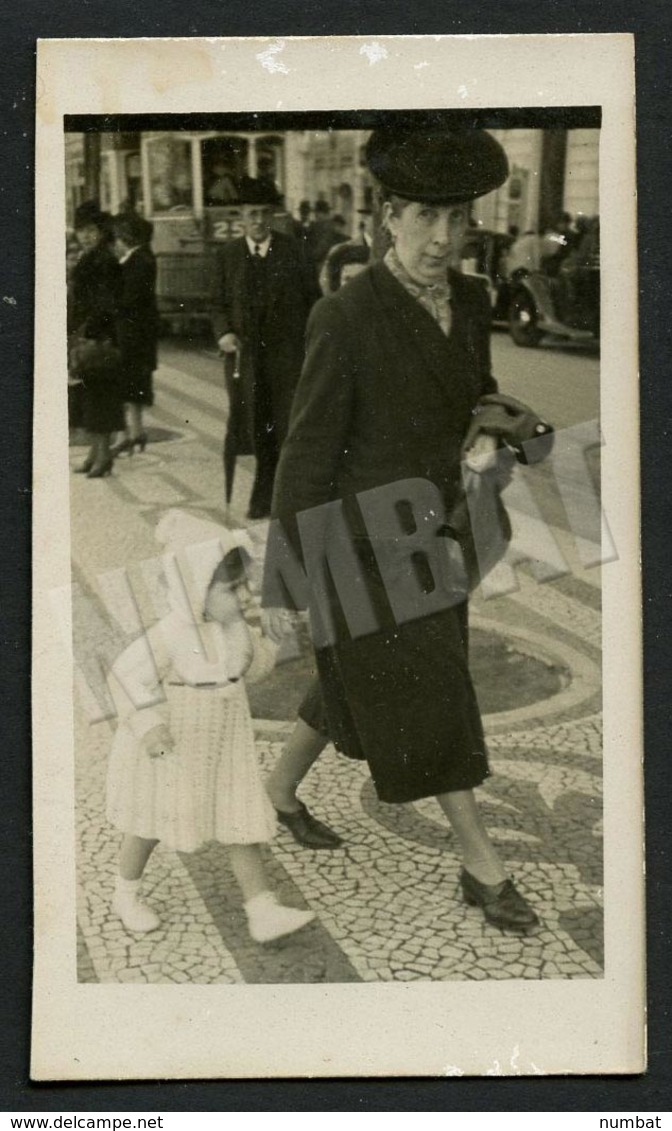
(523, 320)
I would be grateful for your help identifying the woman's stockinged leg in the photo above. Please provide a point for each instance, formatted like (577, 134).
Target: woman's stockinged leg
(483, 880)
(134, 418)
(303, 748)
(479, 854)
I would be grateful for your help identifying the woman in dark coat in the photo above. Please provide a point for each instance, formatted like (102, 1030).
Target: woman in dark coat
(396, 363)
(137, 324)
(92, 311)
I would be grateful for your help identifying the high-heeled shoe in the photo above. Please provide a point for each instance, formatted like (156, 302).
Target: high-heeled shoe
(139, 442)
(129, 444)
(100, 469)
(502, 904)
(125, 445)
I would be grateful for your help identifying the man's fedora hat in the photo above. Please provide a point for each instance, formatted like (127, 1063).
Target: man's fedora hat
(437, 166)
(132, 228)
(89, 214)
(259, 193)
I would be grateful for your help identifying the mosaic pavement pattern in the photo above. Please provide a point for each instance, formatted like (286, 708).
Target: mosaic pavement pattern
(387, 902)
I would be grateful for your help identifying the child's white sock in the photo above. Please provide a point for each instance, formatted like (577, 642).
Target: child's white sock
(267, 919)
(135, 916)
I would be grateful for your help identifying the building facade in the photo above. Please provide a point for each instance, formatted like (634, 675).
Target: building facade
(552, 171)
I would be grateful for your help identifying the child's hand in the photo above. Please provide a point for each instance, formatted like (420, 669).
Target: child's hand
(278, 623)
(158, 741)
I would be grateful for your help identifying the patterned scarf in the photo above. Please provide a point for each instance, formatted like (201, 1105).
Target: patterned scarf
(434, 298)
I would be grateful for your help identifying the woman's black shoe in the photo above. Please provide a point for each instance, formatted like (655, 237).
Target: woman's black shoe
(122, 446)
(502, 904)
(100, 469)
(307, 830)
(129, 444)
(84, 468)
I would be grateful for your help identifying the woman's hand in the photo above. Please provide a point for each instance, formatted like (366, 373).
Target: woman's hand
(158, 741)
(229, 343)
(482, 454)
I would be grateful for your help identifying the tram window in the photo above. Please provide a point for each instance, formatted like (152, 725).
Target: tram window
(224, 162)
(106, 174)
(133, 171)
(269, 166)
(170, 174)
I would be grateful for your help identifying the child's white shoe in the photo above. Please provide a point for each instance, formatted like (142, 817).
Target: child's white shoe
(267, 919)
(134, 914)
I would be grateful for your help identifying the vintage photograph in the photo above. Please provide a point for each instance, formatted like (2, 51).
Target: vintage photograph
(331, 417)
(186, 246)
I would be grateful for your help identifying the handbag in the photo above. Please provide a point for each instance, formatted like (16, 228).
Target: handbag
(479, 521)
(98, 356)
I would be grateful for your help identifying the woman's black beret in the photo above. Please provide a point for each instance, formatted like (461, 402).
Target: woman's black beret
(437, 166)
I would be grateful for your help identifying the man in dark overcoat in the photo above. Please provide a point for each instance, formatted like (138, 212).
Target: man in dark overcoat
(265, 293)
(397, 362)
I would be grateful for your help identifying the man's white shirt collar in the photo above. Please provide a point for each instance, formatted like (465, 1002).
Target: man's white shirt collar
(128, 254)
(264, 246)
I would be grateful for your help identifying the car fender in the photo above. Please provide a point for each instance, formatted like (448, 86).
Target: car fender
(538, 288)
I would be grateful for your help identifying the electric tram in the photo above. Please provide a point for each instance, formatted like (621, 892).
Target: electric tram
(188, 184)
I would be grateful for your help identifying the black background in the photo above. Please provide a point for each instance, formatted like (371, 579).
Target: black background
(20, 26)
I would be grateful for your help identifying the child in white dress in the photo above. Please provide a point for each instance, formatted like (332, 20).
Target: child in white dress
(183, 768)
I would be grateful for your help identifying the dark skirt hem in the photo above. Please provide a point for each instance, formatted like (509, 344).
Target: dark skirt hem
(137, 387)
(403, 701)
(102, 408)
(435, 789)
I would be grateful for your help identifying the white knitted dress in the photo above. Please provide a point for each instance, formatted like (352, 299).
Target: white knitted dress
(209, 787)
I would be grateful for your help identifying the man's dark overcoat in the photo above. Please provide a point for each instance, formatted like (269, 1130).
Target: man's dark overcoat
(385, 396)
(272, 333)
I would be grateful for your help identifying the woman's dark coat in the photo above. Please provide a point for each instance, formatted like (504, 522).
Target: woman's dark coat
(93, 302)
(384, 396)
(137, 325)
(94, 294)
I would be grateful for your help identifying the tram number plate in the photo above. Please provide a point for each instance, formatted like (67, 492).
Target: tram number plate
(227, 229)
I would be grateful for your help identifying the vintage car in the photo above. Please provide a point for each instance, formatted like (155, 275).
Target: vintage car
(554, 286)
(484, 255)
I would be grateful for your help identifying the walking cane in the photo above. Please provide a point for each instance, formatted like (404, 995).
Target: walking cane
(230, 443)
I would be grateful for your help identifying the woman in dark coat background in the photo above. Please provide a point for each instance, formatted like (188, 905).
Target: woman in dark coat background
(137, 324)
(396, 363)
(92, 311)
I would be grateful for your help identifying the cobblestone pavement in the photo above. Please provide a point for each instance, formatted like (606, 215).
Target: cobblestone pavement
(387, 902)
